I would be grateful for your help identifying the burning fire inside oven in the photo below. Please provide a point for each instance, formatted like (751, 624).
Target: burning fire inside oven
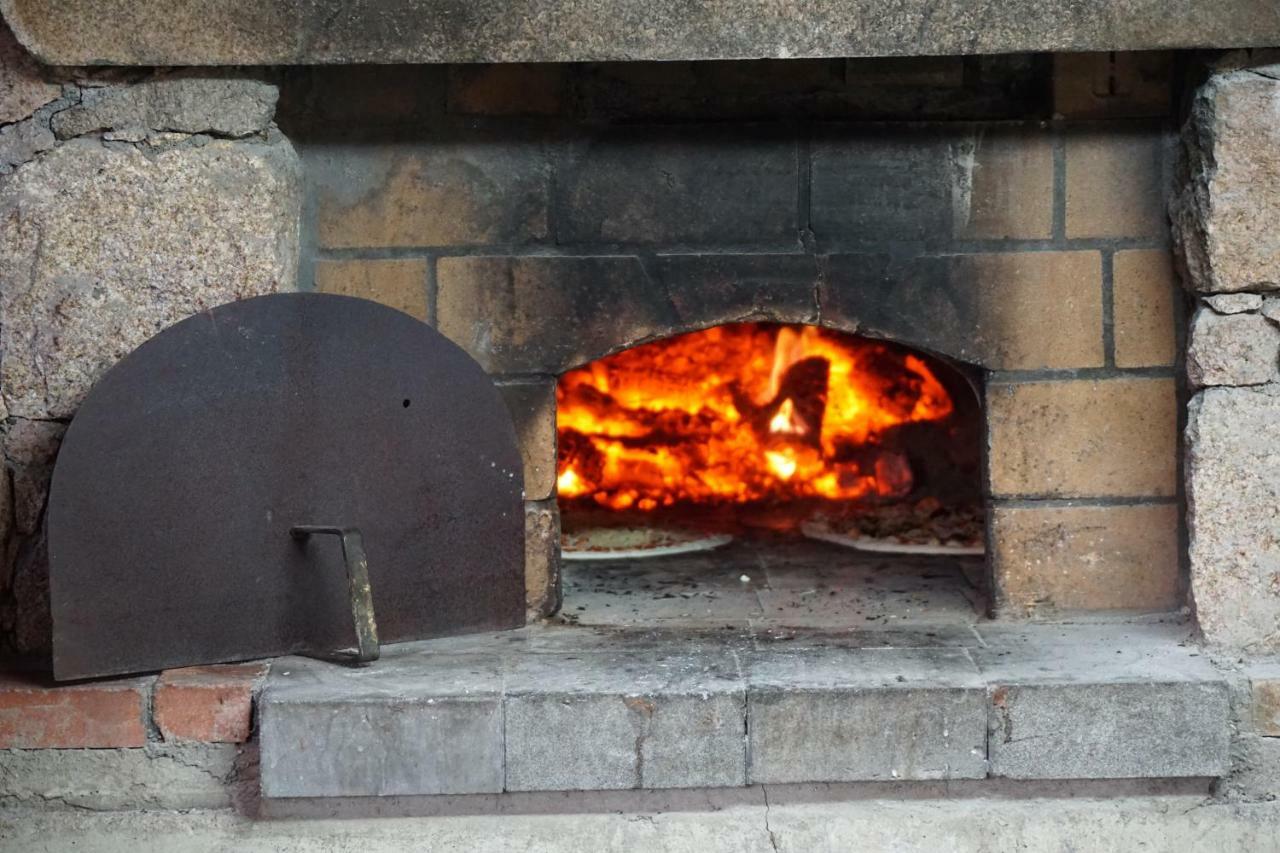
(744, 413)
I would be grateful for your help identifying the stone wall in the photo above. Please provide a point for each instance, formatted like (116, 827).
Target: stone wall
(1225, 217)
(1005, 211)
(128, 201)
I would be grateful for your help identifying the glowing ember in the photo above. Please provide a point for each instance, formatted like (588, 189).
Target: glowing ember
(739, 413)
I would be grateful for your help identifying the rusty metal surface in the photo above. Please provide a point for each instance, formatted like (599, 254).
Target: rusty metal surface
(186, 468)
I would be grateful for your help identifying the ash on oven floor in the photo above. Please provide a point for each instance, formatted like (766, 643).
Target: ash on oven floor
(752, 584)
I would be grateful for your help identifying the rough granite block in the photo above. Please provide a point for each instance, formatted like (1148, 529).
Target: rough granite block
(175, 232)
(271, 32)
(191, 102)
(1232, 349)
(1225, 210)
(1233, 487)
(23, 87)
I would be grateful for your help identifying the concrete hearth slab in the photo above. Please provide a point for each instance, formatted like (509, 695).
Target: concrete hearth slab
(418, 722)
(564, 707)
(838, 714)
(1053, 700)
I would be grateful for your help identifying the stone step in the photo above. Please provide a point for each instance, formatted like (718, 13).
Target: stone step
(557, 708)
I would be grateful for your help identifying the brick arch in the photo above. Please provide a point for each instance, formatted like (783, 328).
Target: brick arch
(547, 314)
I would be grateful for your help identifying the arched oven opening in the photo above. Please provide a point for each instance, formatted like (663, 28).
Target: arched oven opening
(721, 465)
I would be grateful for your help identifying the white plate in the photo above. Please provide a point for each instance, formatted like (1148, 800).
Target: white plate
(706, 543)
(885, 546)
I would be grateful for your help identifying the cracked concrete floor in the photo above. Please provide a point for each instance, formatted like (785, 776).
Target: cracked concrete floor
(821, 818)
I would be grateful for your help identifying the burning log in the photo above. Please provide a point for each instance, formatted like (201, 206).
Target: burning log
(743, 413)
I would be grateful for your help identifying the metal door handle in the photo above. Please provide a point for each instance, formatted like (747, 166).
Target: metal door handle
(367, 648)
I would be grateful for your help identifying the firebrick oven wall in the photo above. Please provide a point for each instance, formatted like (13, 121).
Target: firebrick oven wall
(1007, 212)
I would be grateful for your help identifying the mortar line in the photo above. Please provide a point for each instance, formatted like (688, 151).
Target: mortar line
(1033, 502)
(432, 286)
(804, 186)
(564, 250)
(527, 379)
(983, 390)
(1018, 377)
(796, 248)
(1108, 308)
(1059, 153)
(309, 250)
(150, 725)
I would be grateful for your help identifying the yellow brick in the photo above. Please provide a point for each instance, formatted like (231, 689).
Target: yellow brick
(541, 558)
(1083, 438)
(1143, 293)
(1112, 85)
(1011, 194)
(401, 284)
(1085, 558)
(1114, 182)
(1266, 706)
(533, 411)
(465, 192)
(1037, 309)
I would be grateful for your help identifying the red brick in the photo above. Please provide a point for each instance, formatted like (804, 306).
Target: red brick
(209, 704)
(35, 714)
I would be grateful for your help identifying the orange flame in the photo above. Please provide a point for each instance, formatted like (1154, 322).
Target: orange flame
(739, 413)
